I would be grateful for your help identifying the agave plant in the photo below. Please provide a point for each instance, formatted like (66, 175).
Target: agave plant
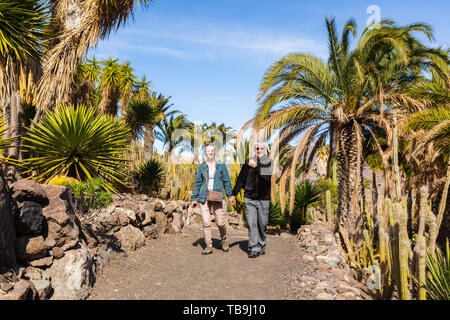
(149, 175)
(77, 142)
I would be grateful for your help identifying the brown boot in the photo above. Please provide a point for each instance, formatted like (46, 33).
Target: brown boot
(207, 250)
(225, 246)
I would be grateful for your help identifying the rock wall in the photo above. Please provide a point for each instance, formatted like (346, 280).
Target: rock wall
(48, 251)
(325, 274)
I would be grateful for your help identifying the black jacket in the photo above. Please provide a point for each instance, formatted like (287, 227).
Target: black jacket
(255, 181)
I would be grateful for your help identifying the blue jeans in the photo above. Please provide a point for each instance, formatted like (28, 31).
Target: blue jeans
(257, 215)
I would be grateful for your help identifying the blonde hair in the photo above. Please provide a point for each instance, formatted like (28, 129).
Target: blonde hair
(204, 157)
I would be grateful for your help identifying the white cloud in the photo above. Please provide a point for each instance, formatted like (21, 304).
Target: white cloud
(220, 38)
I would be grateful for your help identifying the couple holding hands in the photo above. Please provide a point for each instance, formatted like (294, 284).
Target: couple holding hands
(213, 183)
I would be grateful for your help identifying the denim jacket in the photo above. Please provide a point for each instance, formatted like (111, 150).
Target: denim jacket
(222, 181)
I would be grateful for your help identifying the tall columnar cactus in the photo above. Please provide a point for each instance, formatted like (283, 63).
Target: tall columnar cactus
(403, 251)
(328, 205)
(433, 229)
(420, 248)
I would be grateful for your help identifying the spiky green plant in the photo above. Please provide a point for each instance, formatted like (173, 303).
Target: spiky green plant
(306, 193)
(77, 142)
(149, 175)
(438, 282)
(275, 215)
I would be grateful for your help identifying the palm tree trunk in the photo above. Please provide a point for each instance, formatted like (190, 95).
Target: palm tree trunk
(149, 140)
(14, 132)
(349, 186)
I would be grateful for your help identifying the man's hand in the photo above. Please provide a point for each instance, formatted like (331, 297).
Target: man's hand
(232, 200)
(194, 204)
(252, 163)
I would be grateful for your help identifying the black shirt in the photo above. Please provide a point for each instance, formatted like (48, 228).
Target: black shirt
(255, 181)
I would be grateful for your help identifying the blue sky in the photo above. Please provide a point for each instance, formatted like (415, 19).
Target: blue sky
(210, 55)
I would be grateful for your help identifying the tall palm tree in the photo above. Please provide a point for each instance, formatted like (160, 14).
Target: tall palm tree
(76, 26)
(160, 106)
(167, 130)
(21, 27)
(343, 101)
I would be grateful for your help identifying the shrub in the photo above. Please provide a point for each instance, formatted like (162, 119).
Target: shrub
(90, 194)
(63, 180)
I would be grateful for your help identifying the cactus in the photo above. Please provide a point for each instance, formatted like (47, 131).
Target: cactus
(403, 251)
(432, 227)
(328, 205)
(419, 249)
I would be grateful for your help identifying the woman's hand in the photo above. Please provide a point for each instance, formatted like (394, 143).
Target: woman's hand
(232, 200)
(194, 204)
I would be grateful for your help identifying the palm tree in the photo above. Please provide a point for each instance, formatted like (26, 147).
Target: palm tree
(344, 101)
(168, 127)
(76, 26)
(21, 29)
(160, 106)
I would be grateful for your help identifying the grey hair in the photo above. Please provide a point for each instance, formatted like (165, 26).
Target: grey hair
(260, 142)
(204, 157)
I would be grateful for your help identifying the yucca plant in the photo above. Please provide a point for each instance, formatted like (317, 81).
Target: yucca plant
(149, 175)
(77, 142)
(438, 282)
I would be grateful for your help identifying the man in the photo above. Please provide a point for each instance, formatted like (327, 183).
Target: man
(254, 178)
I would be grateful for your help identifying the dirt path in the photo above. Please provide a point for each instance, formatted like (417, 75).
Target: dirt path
(172, 267)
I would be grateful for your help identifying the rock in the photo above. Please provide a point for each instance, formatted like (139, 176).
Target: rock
(32, 273)
(307, 279)
(161, 222)
(7, 231)
(50, 242)
(177, 223)
(124, 219)
(151, 231)
(42, 263)
(324, 296)
(159, 205)
(72, 276)
(88, 235)
(29, 190)
(102, 258)
(57, 252)
(233, 220)
(30, 248)
(6, 287)
(29, 219)
(23, 290)
(170, 207)
(43, 288)
(107, 221)
(131, 238)
(60, 217)
(128, 204)
(146, 213)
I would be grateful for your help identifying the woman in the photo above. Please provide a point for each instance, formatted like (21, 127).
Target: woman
(212, 175)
